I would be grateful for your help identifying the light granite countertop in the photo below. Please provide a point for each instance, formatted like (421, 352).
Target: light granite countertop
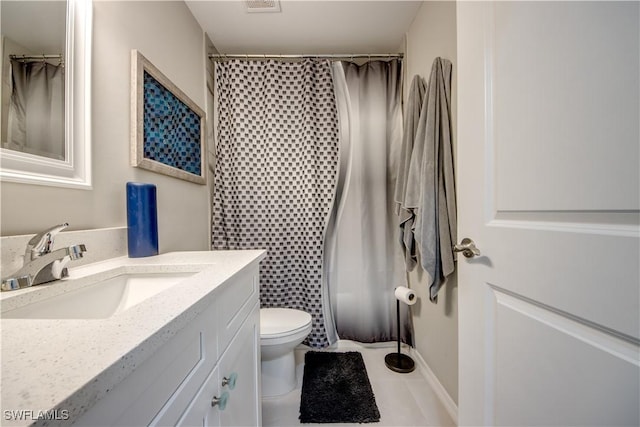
(67, 365)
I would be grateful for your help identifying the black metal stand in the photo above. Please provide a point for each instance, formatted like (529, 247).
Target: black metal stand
(399, 362)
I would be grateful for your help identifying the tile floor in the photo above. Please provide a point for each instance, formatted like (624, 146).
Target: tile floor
(402, 399)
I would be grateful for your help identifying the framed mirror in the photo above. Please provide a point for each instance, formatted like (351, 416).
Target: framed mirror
(46, 93)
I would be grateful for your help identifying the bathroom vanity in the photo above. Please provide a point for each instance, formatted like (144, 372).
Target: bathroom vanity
(180, 347)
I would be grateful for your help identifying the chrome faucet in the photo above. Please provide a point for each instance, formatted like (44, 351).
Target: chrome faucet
(41, 264)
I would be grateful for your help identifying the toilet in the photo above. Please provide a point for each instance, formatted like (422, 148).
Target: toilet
(281, 330)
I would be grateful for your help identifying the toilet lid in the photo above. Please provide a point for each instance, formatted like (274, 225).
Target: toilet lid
(282, 321)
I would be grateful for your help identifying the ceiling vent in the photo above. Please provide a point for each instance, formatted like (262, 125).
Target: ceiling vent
(263, 6)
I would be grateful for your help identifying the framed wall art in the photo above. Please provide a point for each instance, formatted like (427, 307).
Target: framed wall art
(167, 127)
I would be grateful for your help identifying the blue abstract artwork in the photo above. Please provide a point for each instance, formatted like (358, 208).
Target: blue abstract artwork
(172, 130)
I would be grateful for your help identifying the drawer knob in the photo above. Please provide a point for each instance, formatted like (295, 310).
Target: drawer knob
(231, 381)
(220, 402)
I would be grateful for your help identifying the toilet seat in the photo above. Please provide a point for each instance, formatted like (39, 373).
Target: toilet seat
(276, 323)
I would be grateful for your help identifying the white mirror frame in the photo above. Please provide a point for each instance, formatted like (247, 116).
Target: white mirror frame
(75, 171)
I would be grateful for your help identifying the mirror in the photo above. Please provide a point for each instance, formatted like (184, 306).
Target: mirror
(45, 109)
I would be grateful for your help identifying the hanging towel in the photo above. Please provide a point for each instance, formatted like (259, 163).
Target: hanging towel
(432, 160)
(405, 209)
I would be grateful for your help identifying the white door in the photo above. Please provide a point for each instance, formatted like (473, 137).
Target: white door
(548, 187)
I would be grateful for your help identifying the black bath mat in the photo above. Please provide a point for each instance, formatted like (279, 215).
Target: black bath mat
(336, 389)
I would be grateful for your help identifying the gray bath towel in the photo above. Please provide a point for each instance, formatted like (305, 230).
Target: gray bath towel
(432, 161)
(406, 208)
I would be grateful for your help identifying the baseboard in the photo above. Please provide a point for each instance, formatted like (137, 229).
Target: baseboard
(436, 385)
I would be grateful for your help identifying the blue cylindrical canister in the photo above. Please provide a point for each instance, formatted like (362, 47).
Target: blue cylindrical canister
(142, 220)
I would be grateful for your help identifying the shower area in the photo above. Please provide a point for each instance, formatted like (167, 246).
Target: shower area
(306, 155)
(310, 160)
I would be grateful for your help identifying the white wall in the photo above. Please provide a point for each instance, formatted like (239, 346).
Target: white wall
(433, 34)
(169, 36)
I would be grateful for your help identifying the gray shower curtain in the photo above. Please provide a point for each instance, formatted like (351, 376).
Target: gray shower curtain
(364, 260)
(36, 109)
(275, 175)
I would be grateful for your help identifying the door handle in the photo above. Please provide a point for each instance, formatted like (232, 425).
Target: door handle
(467, 247)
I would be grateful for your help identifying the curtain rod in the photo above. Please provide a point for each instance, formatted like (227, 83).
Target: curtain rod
(222, 57)
(36, 57)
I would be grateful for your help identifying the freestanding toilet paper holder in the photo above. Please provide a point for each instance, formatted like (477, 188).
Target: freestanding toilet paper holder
(397, 361)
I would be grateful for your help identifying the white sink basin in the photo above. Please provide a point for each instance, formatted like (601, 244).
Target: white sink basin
(100, 300)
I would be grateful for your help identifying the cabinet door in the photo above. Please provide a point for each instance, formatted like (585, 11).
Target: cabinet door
(235, 381)
(242, 358)
(200, 411)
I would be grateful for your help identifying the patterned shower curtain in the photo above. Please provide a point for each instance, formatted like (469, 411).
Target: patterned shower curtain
(275, 175)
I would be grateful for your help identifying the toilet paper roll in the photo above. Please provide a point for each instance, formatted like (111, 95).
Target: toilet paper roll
(405, 295)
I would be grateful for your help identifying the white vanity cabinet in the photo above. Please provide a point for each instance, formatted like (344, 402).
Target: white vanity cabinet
(177, 384)
(226, 396)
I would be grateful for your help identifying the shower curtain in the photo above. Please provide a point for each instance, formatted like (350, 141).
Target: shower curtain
(363, 258)
(275, 175)
(36, 109)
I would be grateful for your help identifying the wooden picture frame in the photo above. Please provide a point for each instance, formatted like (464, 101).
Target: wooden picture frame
(167, 127)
